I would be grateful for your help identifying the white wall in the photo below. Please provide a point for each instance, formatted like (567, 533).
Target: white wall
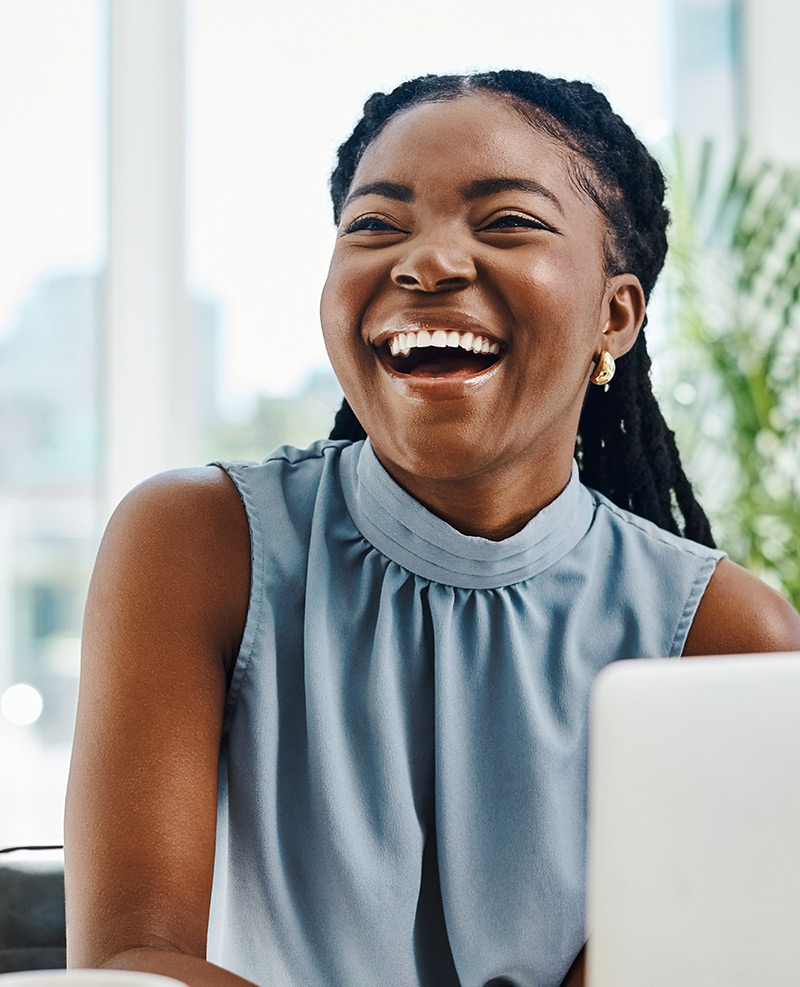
(772, 77)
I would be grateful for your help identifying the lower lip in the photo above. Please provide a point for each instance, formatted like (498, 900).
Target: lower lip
(446, 388)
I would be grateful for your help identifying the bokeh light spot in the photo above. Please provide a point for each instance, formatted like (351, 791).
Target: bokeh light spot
(21, 704)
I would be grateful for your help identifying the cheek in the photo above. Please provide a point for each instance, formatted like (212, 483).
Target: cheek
(341, 307)
(345, 296)
(541, 304)
(330, 304)
(338, 315)
(334, 322)
(555, 300)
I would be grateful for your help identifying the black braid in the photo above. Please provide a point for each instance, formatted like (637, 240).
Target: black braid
(346, 425)
(626, 451)
(624, 448)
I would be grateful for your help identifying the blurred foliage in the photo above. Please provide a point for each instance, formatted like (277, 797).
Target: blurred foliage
(734, 400)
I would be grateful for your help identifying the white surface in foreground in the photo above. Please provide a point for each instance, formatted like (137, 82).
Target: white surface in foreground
(694, 869)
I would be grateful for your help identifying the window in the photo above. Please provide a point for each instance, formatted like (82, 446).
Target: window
(50, 254)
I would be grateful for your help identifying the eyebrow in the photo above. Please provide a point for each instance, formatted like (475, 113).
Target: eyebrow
(391, 190)
(479, 189)
(485, 187)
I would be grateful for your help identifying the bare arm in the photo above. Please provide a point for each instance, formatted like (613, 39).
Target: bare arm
(163, 623)
(576, 977)
(739, 614)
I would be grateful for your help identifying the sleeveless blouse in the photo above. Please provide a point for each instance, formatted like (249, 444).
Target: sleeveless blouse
(402, 785)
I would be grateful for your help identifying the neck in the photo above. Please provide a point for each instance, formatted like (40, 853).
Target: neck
(493, 504)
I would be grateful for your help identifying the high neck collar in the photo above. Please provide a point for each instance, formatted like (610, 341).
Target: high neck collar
(410, 535)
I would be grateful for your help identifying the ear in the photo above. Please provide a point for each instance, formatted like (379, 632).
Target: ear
(624, 312)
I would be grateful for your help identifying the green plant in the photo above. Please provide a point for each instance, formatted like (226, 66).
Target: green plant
(734, 393)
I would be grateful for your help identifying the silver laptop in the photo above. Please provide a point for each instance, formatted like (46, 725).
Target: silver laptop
(694, 823)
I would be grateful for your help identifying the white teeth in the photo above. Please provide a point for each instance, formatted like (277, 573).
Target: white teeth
(404, 342)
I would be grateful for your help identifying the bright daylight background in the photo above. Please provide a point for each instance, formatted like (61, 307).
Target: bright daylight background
(164, 236)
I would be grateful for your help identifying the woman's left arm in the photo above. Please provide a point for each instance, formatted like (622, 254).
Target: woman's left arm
(576, 977)
(739, 614)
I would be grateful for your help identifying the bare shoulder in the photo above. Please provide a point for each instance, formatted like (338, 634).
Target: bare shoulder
(179, 540)
(179, 500)
(739, 614)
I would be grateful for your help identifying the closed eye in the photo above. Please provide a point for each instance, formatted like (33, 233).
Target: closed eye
(370, 224)
(515, 221)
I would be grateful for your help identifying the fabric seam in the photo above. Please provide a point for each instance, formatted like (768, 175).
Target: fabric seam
(254, 616)
(696, 592)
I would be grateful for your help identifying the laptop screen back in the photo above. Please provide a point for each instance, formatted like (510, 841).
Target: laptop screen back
(694, 823)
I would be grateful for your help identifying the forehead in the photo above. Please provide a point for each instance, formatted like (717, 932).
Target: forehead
(453, 142)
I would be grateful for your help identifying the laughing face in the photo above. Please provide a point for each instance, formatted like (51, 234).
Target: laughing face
(467, 300)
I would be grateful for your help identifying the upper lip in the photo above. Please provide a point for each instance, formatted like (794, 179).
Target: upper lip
(447, 320)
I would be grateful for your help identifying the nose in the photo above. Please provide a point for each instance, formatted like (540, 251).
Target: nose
(435, 265)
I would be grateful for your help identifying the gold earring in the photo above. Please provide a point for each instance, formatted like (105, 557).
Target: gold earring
(604, 369)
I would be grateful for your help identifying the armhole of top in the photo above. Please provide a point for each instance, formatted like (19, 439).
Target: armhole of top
(706, 569)
(238, 475)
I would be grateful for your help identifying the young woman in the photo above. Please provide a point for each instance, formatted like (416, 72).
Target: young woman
(356, 676)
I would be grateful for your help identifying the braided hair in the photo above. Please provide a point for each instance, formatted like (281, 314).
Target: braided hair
(624, 448)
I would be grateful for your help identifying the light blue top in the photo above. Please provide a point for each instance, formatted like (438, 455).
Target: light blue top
(403, 779)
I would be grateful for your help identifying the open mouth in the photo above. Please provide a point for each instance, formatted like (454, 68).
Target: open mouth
(439, 353)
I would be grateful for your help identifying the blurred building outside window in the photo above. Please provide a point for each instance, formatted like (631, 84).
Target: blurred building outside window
(51, 254)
